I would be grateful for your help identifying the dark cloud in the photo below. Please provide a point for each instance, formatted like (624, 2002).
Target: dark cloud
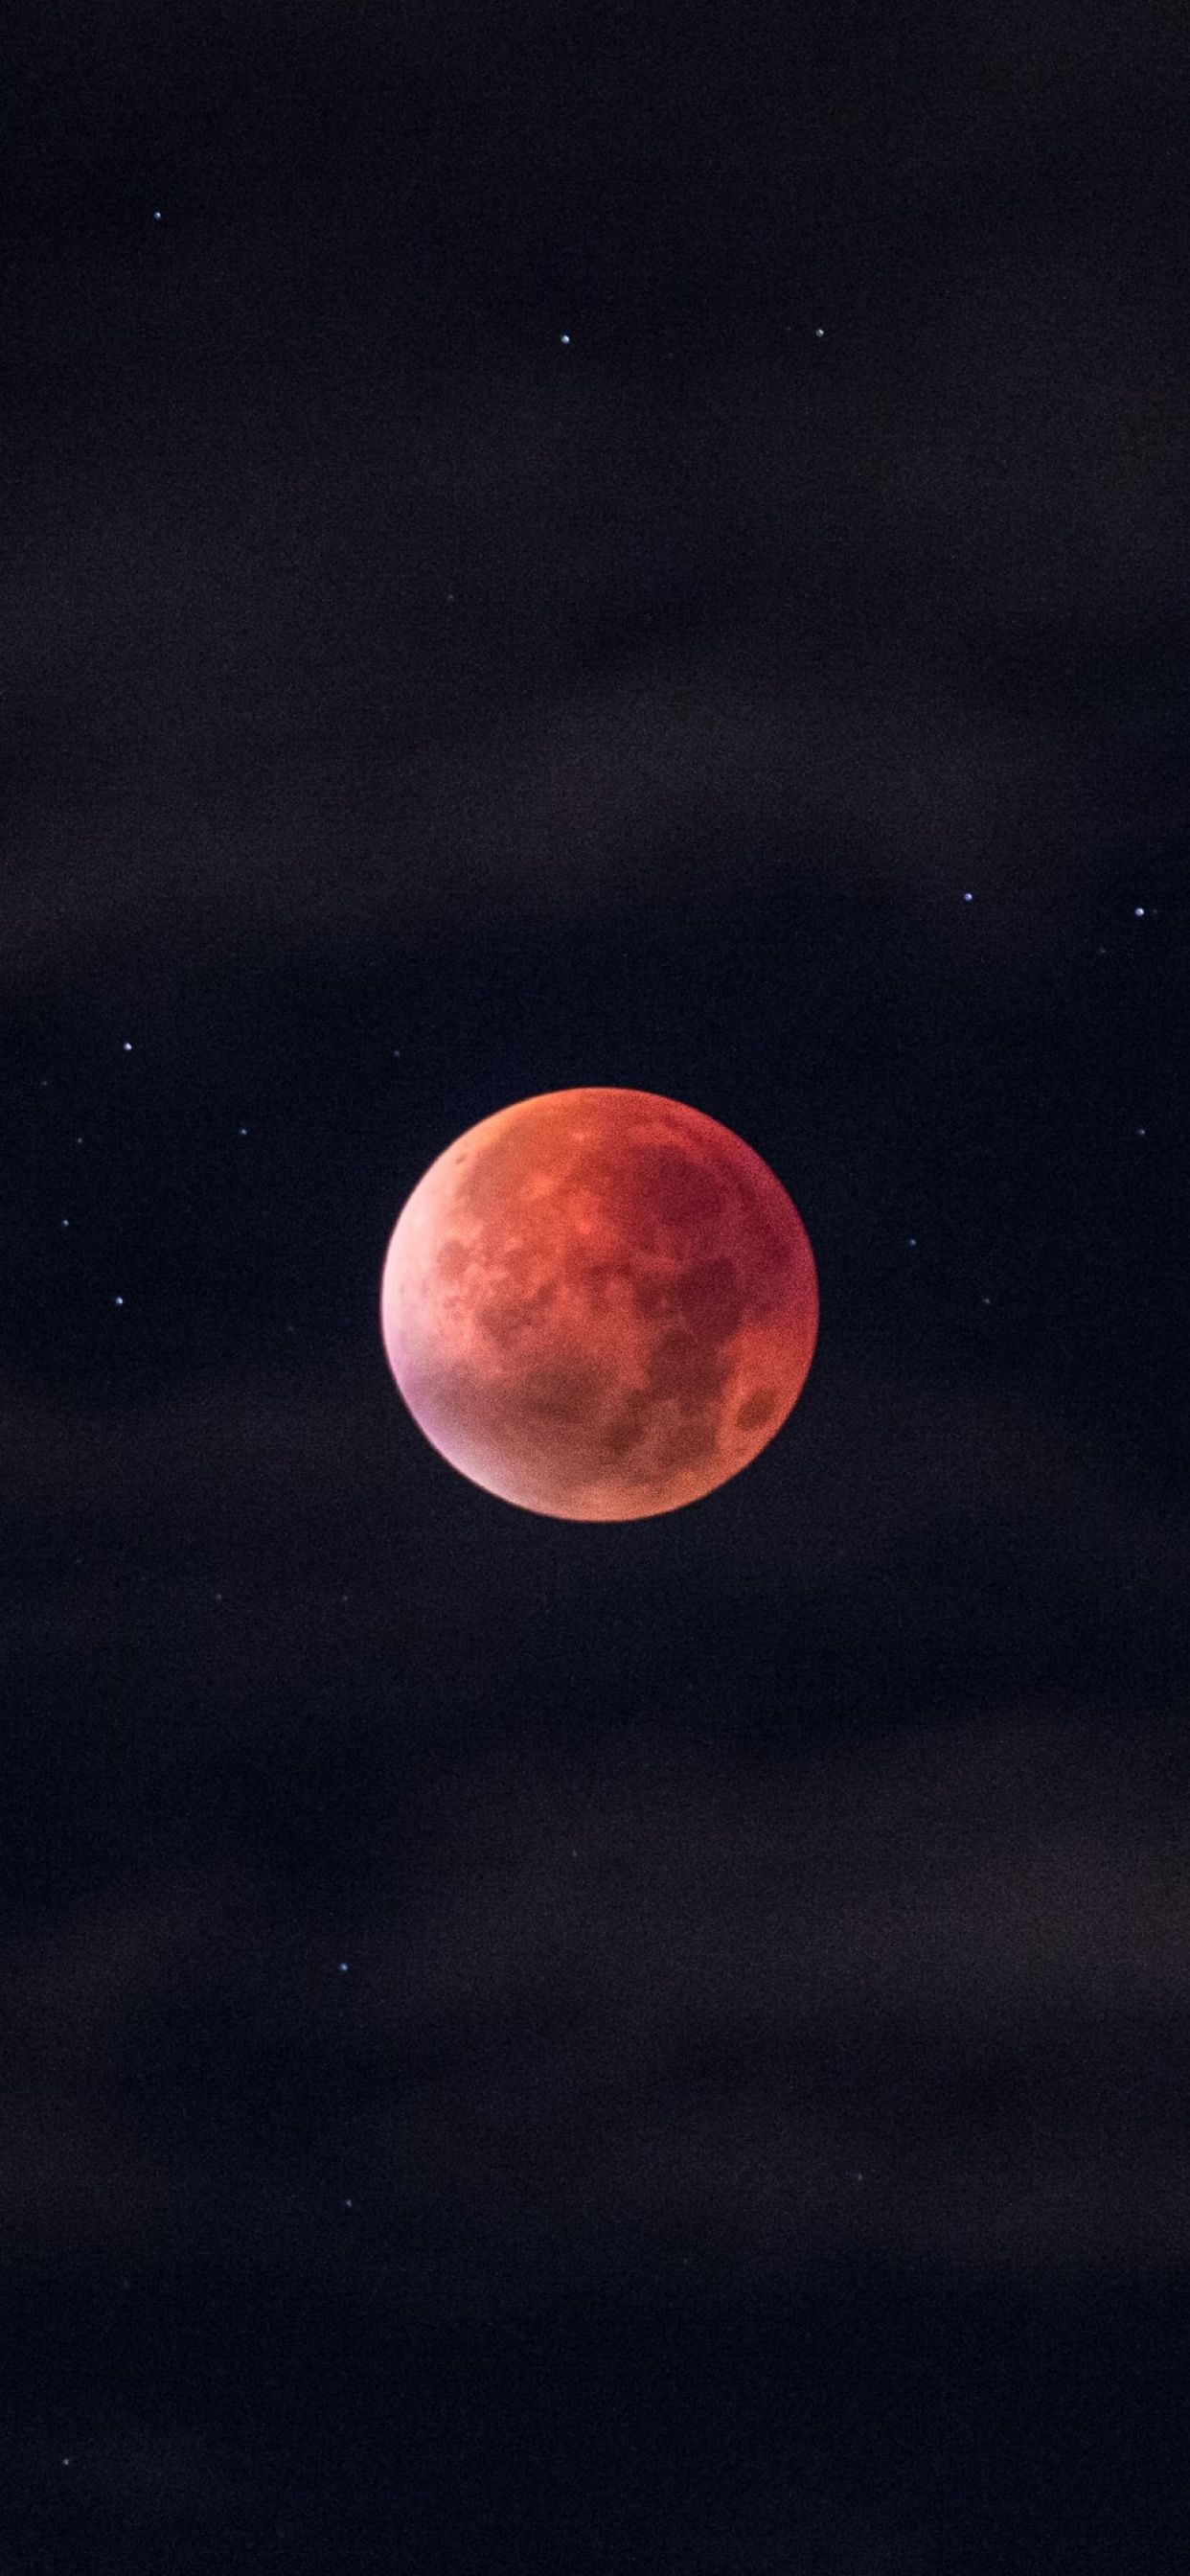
(303, 1521)
(320, 653)
(684, 1981)
(932, 2000)
(76, 2164)
(928, 2000)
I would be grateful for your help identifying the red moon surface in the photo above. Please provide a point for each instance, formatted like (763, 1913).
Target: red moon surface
(599, 1304)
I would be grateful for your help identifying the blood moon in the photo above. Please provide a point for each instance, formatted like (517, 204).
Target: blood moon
(599, 1304)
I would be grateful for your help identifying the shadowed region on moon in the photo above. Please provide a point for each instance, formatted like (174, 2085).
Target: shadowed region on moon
(599, 1304)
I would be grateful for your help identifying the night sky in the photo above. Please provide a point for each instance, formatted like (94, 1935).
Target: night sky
(552, 547)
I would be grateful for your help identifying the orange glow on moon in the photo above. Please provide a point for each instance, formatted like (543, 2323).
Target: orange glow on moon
(599, 1304)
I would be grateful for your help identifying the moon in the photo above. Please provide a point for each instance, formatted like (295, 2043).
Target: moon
(599, 1304)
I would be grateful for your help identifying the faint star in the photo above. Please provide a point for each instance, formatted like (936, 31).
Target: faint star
(564, 337)
(117, 1301)
(1138, 911)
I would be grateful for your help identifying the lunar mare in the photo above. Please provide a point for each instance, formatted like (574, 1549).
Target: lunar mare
(599, 1304)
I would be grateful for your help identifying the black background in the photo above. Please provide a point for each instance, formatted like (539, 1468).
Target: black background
(636, 547)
